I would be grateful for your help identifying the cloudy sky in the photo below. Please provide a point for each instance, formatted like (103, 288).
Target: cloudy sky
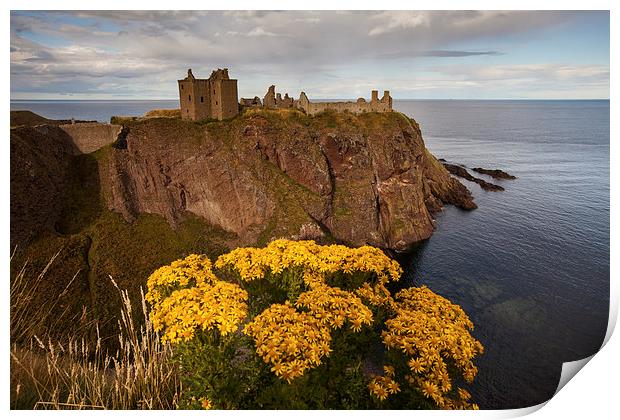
(328, 54)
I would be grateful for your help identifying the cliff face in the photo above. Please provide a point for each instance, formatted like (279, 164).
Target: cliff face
(364, 179)
(185, 187)
(40, 157)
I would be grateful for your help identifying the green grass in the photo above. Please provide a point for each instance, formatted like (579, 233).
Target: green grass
(266, 235)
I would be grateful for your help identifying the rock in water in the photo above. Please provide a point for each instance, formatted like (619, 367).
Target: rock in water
(462, 172)
(495, 173)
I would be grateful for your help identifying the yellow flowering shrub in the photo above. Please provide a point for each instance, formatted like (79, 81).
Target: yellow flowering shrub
(294, 324)
(383, 386)
(432, 332)
(376, 295)
(220, 305)
(186, 296)
(333, 306)
(292, 342)
(279, 255)
(194, 270)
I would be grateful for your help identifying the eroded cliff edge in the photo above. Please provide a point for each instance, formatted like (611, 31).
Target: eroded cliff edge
(167, 188)
(363, 179)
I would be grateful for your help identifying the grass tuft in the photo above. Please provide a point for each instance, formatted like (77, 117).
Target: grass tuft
(79, 373)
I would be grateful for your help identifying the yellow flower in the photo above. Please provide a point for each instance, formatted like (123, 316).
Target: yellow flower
(434, 331)
(333, 305)
(416, 365)
(220, 305)
(206, 403)
(381, 393)
(429, 389)
(463, 394)
(382, 386)
(253, 263)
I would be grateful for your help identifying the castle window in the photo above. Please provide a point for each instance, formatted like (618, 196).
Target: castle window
(181, 87)
(190, 98)
(215, 102)
(213, 90)
(202, 99)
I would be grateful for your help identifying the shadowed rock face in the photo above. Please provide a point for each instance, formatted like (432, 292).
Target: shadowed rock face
(366, 179)
(39, 165)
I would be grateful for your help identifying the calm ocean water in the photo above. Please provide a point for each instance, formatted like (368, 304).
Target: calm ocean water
(531, 264)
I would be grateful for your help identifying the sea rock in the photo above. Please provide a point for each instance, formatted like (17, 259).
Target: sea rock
(495, 173)
(462, 172)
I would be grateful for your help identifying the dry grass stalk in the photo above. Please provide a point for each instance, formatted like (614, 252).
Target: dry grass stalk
(48, 375)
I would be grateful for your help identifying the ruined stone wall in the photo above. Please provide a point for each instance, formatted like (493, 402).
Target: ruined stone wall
(360, 106)
(202, 106)
(275, 100)
(89, 137)
(269, 101)
(250, 102)
(228, 94)
(285, 102)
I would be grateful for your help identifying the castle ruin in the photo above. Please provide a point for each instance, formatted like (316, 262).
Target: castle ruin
(254, 102)
(275, 100)
(215, 97)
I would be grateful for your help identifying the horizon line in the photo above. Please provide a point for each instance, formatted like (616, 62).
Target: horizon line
(331, 99)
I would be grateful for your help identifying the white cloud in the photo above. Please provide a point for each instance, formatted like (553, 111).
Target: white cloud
(393, 20)
(148, 50)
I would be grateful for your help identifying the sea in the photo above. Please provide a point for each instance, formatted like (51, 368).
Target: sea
(531, 265)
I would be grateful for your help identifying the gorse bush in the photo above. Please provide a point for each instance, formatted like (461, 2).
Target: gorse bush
(299, 325)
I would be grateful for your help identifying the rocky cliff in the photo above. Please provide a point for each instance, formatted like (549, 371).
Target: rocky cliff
(167, 188)
(363, 179)
(40, 159)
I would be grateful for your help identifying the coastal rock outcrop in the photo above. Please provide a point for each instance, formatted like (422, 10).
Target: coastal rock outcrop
(364, 179)
(494, 173)
(462, 172)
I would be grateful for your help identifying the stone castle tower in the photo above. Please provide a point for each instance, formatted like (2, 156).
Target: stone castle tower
(215, 97)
